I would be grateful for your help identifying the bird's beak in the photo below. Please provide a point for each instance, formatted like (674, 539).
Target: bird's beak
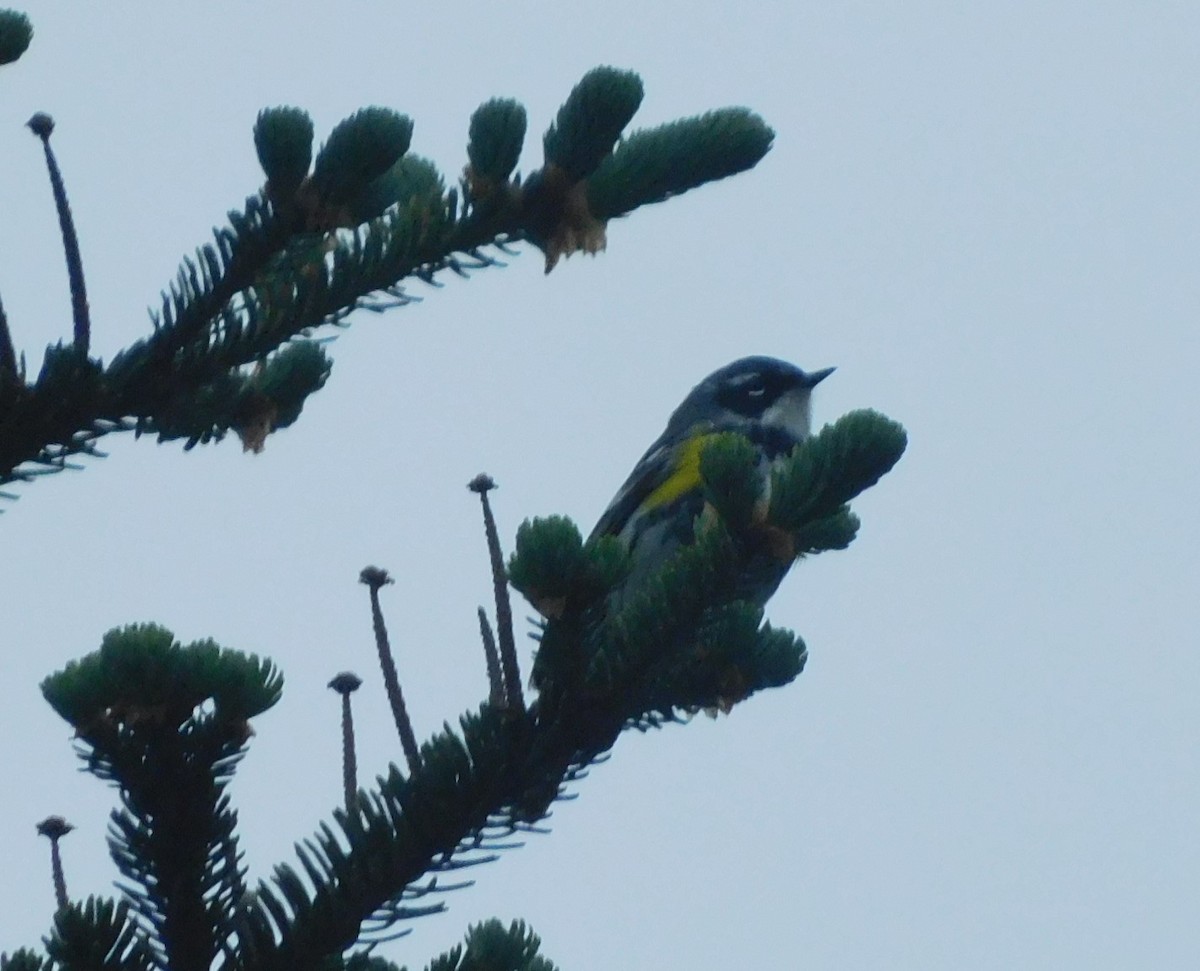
(816, 377)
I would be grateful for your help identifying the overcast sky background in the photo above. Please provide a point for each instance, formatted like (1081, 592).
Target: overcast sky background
(985, 215)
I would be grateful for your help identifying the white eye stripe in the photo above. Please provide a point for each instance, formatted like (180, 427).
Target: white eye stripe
(744, 379)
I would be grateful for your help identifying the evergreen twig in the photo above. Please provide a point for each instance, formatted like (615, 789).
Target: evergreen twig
(42, 125)
(375, 578)
(300, 255)
(345, 684)
(481, 485)
(496, 692)
(54, 828)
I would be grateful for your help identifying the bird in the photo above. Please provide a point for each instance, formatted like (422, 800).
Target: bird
(653, 514)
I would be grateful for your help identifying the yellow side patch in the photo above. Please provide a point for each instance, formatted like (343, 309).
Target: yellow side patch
(685, 477)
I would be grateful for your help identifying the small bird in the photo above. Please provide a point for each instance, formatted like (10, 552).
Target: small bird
(762, 398)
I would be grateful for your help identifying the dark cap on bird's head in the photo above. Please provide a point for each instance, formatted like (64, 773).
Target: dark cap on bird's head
(762, 389)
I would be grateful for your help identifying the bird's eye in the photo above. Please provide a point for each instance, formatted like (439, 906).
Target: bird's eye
(747, 394)
(756, 388)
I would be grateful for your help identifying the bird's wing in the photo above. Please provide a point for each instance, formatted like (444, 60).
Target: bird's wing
(652, 471)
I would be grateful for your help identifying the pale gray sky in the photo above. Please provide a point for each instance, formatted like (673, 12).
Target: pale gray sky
(985, 215)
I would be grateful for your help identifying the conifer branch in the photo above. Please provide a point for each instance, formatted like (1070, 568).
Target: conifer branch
(481, 485)
(311, 249)
(54, 828)
(684, 643)
(496, 692)
(169, 724)
(103, 928)
(15, 34)
(374, 578)
(491, 945)
(42, 125)
(345, 684)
